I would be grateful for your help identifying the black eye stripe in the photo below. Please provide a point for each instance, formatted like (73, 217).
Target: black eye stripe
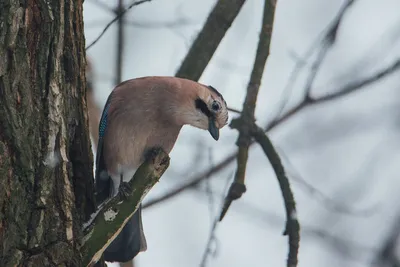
(203, 107)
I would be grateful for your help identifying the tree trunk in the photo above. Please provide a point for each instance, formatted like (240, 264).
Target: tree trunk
(46, 182)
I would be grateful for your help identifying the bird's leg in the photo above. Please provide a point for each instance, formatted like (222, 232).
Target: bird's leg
(124, 188)
(152, 152)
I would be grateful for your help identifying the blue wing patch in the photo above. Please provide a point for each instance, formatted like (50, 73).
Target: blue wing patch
(103, 120)
(102, 181)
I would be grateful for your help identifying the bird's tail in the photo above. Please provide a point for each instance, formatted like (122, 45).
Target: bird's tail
(130, 241)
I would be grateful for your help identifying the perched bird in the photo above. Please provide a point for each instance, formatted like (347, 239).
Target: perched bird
(140, 115)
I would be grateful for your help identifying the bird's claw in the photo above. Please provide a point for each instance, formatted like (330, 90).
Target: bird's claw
(124, 190)
(153, 152)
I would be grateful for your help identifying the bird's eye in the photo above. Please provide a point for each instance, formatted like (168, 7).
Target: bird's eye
(215, 106)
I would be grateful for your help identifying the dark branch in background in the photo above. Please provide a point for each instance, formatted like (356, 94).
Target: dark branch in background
(136, 3)
(327, 38)
(327, 43)
(212, 237)
(119, 11)
(388, 255)
(103, 5)
(234, 110)
(207, 41)
(328, 202)
(205, 44)
(262, 218)
(193, 182)
(109, 220)
(343, 91)
(346, 90)
(247, 116)
(292, 228)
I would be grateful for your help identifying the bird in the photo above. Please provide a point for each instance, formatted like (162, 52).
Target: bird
(140, 115)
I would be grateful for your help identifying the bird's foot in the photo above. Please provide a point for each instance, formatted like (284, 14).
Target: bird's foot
(152, 152)
(124, 190)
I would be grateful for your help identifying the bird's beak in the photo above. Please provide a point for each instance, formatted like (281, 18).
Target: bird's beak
(214, 131)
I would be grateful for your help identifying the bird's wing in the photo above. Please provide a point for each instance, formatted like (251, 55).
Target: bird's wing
(102, 179)
(131, 240)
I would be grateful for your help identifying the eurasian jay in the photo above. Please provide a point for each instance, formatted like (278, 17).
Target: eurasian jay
(140, 115)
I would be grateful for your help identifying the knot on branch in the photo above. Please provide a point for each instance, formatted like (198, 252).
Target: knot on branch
(244, 126)
(236, 191)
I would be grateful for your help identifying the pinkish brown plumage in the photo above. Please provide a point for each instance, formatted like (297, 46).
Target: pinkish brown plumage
(146, 113)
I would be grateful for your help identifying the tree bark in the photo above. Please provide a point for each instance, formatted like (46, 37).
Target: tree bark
(46, 180)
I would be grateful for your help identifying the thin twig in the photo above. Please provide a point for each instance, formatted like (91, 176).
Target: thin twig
(244, 140)
(388, 255)
(192, 183)
(211, 237)
(263, 218)
(117, 17)
(120, 42)
(346, 90)
(328, 202)
(234, 110)
(338, 93)
(292, 228)
(327, 38)
(103, 6)
(327, 43)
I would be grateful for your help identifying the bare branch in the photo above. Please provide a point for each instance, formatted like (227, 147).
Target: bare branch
(292, 224)
(327, 43)
(103, 6)
(346, 90)
(244, 140)
(120, 41)
(234, 110)
(117, 17)
(388, 254)
(115, 213)
(207, 41)
(339, 93)
(320, 196)
(327, 38)
(212, 238)
(193, 182)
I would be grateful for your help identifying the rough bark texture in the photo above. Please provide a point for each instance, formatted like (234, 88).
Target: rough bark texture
(46, 182)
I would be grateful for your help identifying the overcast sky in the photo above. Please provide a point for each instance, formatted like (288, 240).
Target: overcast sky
(347, 149)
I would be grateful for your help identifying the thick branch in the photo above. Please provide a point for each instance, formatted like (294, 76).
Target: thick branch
(292, 225)
(203, 48)
(249, 105)
(113, 216)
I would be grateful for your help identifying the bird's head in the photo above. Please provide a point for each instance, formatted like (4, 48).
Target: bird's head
(211, 112)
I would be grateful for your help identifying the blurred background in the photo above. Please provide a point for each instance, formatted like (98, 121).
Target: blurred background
(338, 89)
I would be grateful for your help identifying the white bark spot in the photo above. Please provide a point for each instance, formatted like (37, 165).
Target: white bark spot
(52, 160)
(109, 215)
(293, 215)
